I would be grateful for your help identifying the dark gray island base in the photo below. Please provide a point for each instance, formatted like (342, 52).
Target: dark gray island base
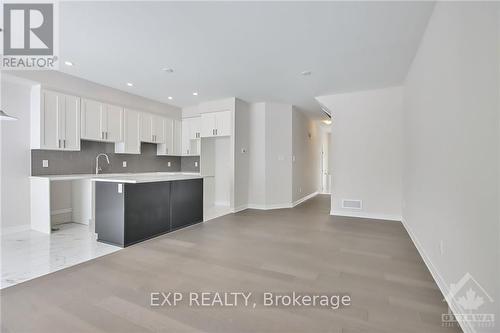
(128, 213)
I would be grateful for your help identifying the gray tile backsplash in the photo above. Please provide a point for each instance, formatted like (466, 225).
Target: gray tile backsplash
(188, 163)
(83, 161)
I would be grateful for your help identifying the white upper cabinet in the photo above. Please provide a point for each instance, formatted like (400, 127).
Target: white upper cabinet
(185, 137)
(58, 122)
(113, 119)
(158, 129)
(146, 127)
(177, 137)
(91, 120)
(191, 133)
(216, 124)
(152, 128)
(167, 148)
(101, 122)
(131, 143)
(207, 124)
(194, 125)
(223, 123)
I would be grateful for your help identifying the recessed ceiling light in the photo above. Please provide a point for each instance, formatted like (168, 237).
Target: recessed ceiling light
(170, 97)
(195, 93)
(327, 122)
(68, 63)
(168, 70)
(306, 73)
(130, 84)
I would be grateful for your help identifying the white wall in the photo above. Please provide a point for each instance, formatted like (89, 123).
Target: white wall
(73, 85)
(366, 151)
(306, 166)
(451, 146)
(278, 160)
(241, 159)
(16, 157)
(257, 155)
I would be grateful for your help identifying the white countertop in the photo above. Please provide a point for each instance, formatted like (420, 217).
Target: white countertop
(144, 177)
(148, 178)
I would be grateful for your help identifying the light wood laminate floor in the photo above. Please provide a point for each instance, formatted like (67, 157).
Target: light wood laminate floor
(301, 249)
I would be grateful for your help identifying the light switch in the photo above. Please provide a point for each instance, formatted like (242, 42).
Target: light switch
(124, 163)
(169, 164)
(45, 163)
(120, 188)
(196, 164)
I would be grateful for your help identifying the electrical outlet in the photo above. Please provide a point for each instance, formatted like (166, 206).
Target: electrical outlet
(196, 164)
(441, 247)
(124, 163)
(45, 163)
(169, 164)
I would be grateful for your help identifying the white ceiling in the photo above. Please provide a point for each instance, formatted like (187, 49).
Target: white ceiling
(254, 51)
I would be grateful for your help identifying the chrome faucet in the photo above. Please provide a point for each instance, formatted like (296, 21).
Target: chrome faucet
(97, 168)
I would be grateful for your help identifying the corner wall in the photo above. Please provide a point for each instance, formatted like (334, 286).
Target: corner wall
(365, 152)
(306, 155)
(451, 163)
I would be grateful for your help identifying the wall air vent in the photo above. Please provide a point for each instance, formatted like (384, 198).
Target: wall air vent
(352, 204)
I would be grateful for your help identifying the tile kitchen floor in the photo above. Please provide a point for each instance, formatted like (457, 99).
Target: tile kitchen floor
(29, 254)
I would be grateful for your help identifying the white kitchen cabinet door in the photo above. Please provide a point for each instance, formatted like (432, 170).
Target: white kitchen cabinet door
(223, 123)
(167, 148)
(146, 127)
(50, 120)
(158, 129)
(91, 120)
(71, 139)
(131, 143)
(208, 125)
(177, 137)
(60, 121)
(113, 123)
(185, 137)
(194, 127)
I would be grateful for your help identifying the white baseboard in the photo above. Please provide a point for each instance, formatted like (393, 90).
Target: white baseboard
(307, 197)
(61, 211)
(442, 285)
(15, 228)
(275, 206)
(268, 207)
(364, 215)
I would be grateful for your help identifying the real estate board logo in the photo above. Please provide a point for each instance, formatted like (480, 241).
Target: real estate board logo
(468, 297)
(29, 36)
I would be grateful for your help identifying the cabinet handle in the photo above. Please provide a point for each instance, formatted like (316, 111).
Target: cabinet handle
(216, 131)
(59, 143)
(213, 132)
(106, 135)
(64, 143)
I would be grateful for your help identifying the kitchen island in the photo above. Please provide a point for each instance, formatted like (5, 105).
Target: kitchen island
(132, 208)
